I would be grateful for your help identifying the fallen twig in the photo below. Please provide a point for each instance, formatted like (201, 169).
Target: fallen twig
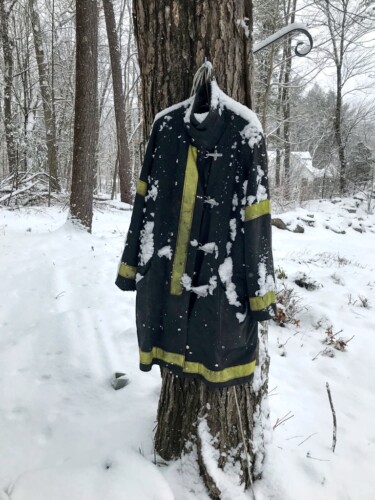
(283, 419)
(334, 418)
(320, 352)
(314, 458)
(308, 437)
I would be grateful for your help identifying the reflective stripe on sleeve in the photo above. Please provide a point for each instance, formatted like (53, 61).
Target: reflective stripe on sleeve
(127, 271)
(263, 301)
(257, 210)
(141, 187)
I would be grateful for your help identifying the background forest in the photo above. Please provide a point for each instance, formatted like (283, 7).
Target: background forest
(322, 105)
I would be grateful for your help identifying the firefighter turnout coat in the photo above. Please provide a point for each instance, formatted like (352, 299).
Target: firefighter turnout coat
(198, 250)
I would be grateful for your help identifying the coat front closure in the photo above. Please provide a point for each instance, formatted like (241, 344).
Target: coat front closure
(198, 251)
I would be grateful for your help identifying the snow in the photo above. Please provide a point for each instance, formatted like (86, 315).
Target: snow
(146, 243)
(210, 247)
(201, 116)
(130, 473)
(164, 124)
(201, 290)
(65, 329)
(228, 480)
(153, 191)
(166, 252)
(251, 133)
(233, 229)
(164, 112)
(244, 23)
(241, 317)
(266, 282)
(226, 273)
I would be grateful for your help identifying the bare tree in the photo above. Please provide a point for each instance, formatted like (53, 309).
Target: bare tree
(7, 42)
(348, 23)
(47, 97)
(123, 156)
(289, 10)
(86, 113)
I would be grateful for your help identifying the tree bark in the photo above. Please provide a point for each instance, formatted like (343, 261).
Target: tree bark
(124, 167)
(10, 129)
(173, 39)
(86, 112)
(186, 403)
(338, 32)
(290, 13)
(338, 130)
(46, 93)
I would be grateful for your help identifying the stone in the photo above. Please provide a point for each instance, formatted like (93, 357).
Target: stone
(305, 282)
(298, 229)
(336, 230)
(119, 380)
(279, 223)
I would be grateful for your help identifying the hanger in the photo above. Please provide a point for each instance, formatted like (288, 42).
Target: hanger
(202, 87)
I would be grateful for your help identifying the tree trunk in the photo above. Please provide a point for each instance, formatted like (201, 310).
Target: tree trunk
(338, 31)
(124, 167)
(46, 93)
(338, 131)
(10, 129)
(86, 111)
(173, 38)
(286, 99)
(187, 406)
(269, 22)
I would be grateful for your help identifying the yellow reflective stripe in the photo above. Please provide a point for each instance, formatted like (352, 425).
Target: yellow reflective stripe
(230, 373)
(146, 358)
(219, 376)
(186, 219)
(141, 187)
(127, 271)
(258, 209)
(259, 303)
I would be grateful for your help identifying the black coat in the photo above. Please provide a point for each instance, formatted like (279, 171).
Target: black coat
(198, 251)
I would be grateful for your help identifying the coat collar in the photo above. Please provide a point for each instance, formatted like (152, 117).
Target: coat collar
(208, 132)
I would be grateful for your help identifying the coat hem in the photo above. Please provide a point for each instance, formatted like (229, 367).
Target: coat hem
(179, 372)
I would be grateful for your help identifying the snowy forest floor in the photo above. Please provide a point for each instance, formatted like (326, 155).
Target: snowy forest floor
(65, 328)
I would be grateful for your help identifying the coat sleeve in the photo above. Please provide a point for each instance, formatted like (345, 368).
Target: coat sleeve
(260, 278)
(129, 261)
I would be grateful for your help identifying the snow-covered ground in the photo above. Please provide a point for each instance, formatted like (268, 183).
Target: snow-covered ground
(65, 328)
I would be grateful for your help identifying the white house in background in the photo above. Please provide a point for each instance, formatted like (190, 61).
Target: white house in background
(301, 166)
(306, 179)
